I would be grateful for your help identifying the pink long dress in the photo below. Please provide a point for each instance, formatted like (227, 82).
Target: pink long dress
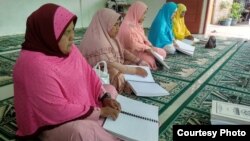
(132, 35)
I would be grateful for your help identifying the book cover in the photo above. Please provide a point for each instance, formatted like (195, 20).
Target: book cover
(190, 42)
(147, 89)
(135, 122)
(185, 48)
(160, 59)
(230, 112)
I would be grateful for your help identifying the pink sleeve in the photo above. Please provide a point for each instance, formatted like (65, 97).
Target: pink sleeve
(135, 44)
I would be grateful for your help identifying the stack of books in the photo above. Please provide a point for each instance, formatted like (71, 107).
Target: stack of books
(225, 113)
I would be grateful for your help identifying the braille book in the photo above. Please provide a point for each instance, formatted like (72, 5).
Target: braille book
(137, 121)
(145, 86)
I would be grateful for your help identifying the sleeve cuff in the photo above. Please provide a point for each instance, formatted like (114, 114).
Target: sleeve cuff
(95, 115)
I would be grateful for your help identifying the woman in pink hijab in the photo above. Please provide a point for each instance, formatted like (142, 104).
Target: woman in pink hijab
(132, 35)
(57, 95)
(100, 44)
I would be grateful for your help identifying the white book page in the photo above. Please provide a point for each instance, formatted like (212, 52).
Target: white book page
(148, 78)
(147, 89)
(160, 59)
(190, 42)
(138, 107)
(196, 40)
(221, 122)
(157, 55)
(185, 48)
(132, 128)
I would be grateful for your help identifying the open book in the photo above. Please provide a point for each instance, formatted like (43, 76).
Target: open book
(229, 113)
(144, 86)
(137, 121)
(191, 42)
(185, 48)
(160, 59)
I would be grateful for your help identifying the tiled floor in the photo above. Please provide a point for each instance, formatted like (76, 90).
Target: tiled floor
(241, 30)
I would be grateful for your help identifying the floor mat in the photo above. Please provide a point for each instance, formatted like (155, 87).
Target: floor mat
(228, 83)
(11, 42)
(6, 69)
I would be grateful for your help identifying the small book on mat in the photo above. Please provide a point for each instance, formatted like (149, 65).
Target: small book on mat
(144, 86)
(229, 113)
(137, 121)
(185, 48)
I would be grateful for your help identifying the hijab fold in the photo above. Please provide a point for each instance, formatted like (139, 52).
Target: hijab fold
(160, 33)
(96, 44)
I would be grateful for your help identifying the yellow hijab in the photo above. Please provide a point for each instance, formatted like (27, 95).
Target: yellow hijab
(179, 28)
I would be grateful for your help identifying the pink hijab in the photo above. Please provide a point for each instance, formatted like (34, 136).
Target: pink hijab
(131, 30)
(96, 44)
(51, 89)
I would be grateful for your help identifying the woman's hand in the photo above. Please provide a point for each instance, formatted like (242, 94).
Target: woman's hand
(175, 45)
(143, 63)
(109, 112)
(149, 49)
(190, 37)
(140, 71)
(111, 103)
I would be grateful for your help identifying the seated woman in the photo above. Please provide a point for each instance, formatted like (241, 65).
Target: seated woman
(161, 33)
(180, 30)
(132, 36)
(57, 95)
(100, 43)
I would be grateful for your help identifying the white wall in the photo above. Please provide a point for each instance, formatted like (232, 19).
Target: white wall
(88, 8)
(13, 13)
(153, 8)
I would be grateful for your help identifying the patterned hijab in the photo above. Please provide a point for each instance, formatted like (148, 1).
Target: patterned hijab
(160, 33)
(96, 44)
(41, 34)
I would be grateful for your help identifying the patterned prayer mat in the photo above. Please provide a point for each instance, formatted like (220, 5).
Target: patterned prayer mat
(11, 42)
(182, 72)
(6, 68)
(237, 66)
(7, 120)
(230, 82)
(11, 55)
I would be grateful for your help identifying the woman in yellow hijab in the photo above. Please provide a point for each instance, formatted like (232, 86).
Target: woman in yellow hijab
(179, 28)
